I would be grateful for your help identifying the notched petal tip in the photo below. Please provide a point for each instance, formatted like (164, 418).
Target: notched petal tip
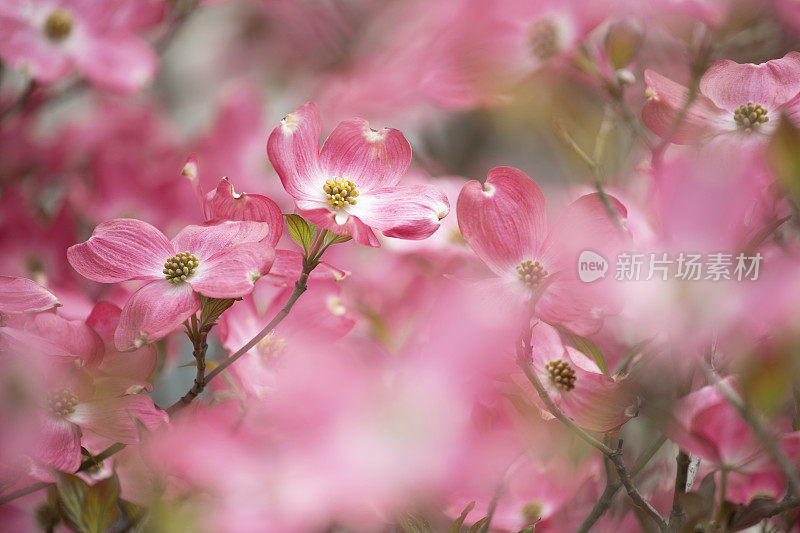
(488, 189)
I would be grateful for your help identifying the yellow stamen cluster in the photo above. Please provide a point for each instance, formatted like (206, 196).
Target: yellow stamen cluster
(61, 402)
(58, 25)
(180, 267)
(543, 39)
(532, 512)
(531, 273)
(750, 116)
(340, 192)
(561, 374)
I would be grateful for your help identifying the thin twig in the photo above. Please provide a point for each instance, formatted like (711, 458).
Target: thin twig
(677, 514)
(613, 485)
(633, 493)
(756, 423)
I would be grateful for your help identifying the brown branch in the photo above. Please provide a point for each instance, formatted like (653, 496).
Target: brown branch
(85, 465)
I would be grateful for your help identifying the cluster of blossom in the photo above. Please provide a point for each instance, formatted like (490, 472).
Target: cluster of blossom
(370, 341)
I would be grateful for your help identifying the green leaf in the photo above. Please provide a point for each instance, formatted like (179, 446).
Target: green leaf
(587, 347)
(300, 231)
(100, 506)
(415, 524)
(135, 514)
(332, 238)
(477, 526)
(71, 493)
(456, 527)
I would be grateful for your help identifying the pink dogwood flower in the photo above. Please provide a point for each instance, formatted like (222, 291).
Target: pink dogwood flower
(734, 99)
(21, 295)
(708, 427)
(50, 37)
(504, 222)
(220, 260)
(576, 384)
(100, 404)
(350, 186)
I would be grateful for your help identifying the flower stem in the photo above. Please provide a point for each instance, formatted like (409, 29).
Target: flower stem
(202, 380)
(615, 455)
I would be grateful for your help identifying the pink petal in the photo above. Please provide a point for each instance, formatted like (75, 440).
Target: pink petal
(119, 62)
(661, 111)
(293, 149)
(233, 272)
(21, 295)
(584, 225)
(210, 239)
(288, 265)
(729, 84)
(153, 312)
(504, 220)
(136, 365)
(371, 159)
(411, 212)
(115, 418)
(121, 250)
(326, 219)
(59, 445)
(73, 336)
(597, 403)
(226, 204)
(104, 319)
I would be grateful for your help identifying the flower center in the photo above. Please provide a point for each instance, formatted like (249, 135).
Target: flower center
(561, 374)
(340, 192)
(543, 39)
(61, 402)
(58, 25)
(270, 347)
(3, 320)
(531, 273)
(750, 116)
(180, 267)
(532, 512)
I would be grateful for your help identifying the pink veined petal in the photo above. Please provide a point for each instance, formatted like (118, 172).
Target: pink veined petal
(115, 418)
(504, 220)
(411, 212)
(288, 265)
(326, 219)
(729, 84)
(21, 295)
(210, 239)
(153, 312)
(565, 303)
(73, 336)
(227, 204)
(118, 61)
(293, 150)
(661, 111)
(121, 250)
(597, 403)
(104, 319)
(59, 445)
(371, 159)
(136, 365)
(23, 47)
(233, 272)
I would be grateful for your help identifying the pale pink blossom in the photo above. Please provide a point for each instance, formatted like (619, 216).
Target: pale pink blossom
(49, 38)
(350, 186)
(216, 261)
(740, 99)
(504, 222)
